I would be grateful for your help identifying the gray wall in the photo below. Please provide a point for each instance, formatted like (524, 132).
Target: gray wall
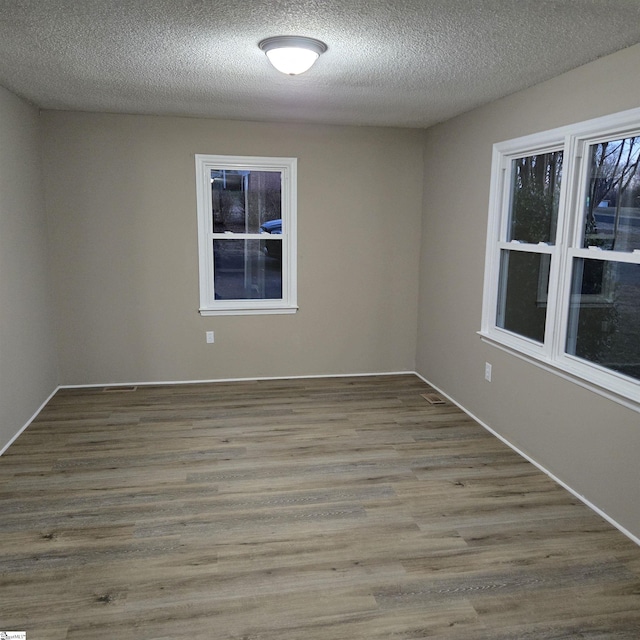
(589, 442)
(28, 372)
(120, 194)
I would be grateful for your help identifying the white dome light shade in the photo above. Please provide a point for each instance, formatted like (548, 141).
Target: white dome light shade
(292, 60)
(292, 54)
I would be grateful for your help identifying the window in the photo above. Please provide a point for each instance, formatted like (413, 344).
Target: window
(246, 234)
(562, 277)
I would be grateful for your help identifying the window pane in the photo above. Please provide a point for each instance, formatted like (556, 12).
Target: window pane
(604, 319)
(535, 193)
(244, 271)
(522, 301)
(244, 200)
(612, 207)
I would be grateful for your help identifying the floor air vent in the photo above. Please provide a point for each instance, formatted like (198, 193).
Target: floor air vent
(118, 389)
(433, 398)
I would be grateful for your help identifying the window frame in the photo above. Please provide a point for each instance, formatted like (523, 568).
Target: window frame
(287, 167)
(574, 141)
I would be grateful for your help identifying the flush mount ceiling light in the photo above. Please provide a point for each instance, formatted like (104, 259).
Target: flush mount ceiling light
(292, 54)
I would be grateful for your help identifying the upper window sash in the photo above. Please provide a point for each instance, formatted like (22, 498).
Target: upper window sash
(609, 174)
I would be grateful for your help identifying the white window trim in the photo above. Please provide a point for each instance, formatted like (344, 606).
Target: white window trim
(287, 167)
(573, 140)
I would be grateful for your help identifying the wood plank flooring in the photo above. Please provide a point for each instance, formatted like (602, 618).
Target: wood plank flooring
(325, 509)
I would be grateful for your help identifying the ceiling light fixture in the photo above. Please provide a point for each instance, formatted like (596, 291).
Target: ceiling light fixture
(292, 54)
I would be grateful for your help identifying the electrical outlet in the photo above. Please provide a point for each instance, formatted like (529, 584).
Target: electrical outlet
(210, 337)
(487, 372)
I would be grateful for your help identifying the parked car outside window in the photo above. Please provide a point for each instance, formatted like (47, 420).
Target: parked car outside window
(272, 248)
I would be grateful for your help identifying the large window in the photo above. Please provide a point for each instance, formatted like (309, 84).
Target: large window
(562, 279)
(246, 234)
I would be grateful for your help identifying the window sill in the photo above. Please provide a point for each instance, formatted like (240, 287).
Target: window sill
(557, 368)
(244, 311)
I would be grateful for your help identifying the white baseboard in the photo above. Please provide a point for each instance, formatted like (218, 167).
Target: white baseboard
(253, 379)
(534, 462)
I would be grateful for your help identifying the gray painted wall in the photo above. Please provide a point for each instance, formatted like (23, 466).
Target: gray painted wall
(122, 205)
(589, 442)
(28, 372)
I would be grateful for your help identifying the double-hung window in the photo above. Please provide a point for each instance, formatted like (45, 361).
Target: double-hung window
(562, 277)
(246, 234)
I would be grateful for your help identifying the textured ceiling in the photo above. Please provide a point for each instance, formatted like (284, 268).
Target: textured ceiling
(402, 62)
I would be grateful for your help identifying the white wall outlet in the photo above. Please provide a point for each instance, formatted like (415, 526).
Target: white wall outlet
(487, 372)
(210, 337)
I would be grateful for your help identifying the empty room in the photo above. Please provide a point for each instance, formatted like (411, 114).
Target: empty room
(320, 319)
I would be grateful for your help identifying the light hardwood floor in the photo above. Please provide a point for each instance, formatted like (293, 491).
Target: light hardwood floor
(323, 509)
